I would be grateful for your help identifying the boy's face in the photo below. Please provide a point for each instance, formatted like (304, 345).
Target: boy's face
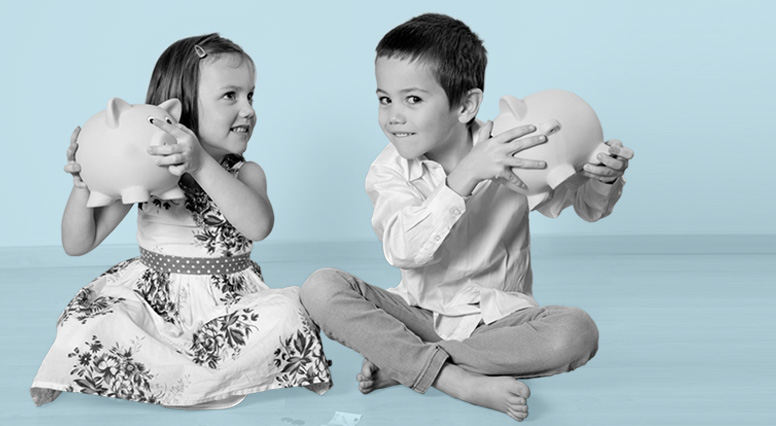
(414, 111)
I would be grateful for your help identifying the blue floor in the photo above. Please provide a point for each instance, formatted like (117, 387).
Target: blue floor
(686, 325)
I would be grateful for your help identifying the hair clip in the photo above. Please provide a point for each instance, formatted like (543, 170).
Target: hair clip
(200, 51)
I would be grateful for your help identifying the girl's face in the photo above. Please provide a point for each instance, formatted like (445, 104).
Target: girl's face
(226, 114)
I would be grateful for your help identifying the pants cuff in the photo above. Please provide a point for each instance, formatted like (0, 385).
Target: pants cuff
(431, 370)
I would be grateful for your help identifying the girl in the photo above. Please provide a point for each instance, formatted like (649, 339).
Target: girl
(199, 336)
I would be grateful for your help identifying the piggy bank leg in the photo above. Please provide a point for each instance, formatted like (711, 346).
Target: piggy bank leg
(535, 200)
(559, 174)
(98, 199)
(134, 194)
(172, 194)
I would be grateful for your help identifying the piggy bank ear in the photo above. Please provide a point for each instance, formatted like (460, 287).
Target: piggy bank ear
(512, 105)
(116, 107)
(173, 107)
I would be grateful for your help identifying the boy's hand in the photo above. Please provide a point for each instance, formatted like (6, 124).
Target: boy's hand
(185, 156)
(493, 158)
(612, 166)
(72, 166)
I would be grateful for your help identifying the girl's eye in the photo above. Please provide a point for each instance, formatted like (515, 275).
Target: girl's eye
(229, 95)
(150, 119)
(250, 98)
(413, 100)
(168, 120)
(384, 100)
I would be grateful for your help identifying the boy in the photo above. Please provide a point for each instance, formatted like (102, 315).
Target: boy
(462, 319)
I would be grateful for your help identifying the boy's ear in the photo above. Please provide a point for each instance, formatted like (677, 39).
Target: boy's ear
(470, 104)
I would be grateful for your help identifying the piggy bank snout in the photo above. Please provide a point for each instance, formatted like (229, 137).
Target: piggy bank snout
(548, 127)
(162, 138)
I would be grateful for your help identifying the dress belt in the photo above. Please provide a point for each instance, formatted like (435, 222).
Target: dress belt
(195, 265)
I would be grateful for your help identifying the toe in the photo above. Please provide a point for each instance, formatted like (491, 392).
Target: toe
(523, 390)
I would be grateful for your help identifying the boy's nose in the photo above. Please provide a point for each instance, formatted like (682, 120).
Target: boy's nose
(396, 117)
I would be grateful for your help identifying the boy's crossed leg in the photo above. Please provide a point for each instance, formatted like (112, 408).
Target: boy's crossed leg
(402, 341)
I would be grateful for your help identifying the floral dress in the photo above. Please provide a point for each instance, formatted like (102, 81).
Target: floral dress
(200, 335)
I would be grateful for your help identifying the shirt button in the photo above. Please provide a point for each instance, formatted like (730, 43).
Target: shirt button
(455, 211)
(437, 238)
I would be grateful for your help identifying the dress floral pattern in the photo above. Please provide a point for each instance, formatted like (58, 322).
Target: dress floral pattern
(159, 337)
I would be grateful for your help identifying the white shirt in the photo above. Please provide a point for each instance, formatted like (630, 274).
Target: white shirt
(465, 259)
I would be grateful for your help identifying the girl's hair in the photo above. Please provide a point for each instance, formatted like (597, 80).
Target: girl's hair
(176, 74)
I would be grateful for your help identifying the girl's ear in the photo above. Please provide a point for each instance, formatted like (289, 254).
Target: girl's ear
(470, 105)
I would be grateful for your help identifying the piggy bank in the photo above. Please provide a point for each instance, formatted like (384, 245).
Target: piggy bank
(574, 137)
(112, 153)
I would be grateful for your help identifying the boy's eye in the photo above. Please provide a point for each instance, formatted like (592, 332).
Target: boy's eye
(229, 95)
(250, 98)
(384, 100)
(413, 100)
(168, 120)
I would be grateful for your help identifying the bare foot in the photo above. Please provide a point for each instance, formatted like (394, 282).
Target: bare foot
(501, 393)
(42, 396)
(371, 378)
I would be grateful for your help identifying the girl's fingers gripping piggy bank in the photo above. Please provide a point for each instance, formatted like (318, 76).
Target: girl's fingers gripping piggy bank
(72, 167)
(182, 156)
(112, 153)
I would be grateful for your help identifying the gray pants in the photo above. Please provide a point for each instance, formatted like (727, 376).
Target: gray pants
(400, 339)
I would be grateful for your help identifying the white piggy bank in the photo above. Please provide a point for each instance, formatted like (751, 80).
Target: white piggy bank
(574, 137)
(112, 153)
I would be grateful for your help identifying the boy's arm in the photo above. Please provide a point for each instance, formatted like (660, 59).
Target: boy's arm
(411, 228)
(592, 199)
(596, 189)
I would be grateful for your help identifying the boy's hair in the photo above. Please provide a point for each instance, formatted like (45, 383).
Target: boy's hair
(453, 51)
(176, 74)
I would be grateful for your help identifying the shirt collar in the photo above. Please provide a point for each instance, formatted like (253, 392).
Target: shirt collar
(413, 168)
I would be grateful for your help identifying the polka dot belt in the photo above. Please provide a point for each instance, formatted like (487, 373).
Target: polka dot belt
(195, 265)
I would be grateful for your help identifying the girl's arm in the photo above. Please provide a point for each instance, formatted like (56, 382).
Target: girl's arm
(84, 228)
(242, 200)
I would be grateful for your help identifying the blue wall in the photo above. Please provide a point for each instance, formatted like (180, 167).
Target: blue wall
(689, 85)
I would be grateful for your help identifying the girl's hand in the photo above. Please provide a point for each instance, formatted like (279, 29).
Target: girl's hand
(612, 166)
(72, 166)
(185, 156)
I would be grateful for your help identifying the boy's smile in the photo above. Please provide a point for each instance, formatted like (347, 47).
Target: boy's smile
(414, 111)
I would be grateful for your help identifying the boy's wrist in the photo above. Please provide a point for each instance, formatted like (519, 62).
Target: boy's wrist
(460, 182)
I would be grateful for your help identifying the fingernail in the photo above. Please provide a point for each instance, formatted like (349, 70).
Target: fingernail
(543, 138)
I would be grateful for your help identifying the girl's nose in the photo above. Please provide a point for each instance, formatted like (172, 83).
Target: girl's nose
(247, 110)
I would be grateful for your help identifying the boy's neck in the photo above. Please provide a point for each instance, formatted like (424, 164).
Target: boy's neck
(450, 154)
